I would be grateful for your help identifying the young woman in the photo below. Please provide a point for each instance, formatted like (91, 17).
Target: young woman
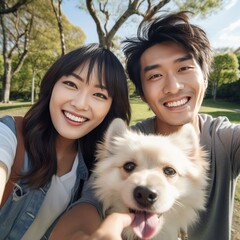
(80, 95)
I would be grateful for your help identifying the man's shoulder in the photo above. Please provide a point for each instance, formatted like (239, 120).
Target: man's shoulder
(208, 121)
(220, 127)
(145, 126)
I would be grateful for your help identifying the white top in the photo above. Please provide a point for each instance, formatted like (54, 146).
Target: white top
(55, 202)
(58, 196)
(8, 143)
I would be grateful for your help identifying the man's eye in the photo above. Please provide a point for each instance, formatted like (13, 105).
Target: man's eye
(100, 95)
(154, 76)
(185, 68)
(70, 84)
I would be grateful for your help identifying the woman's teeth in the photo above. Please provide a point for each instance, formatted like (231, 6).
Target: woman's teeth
(74, 118)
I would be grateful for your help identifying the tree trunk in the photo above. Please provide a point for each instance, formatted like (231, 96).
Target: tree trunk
(58, 14)
(7, 81)
(214, 90)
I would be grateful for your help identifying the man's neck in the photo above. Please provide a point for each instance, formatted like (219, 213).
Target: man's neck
(165, 129)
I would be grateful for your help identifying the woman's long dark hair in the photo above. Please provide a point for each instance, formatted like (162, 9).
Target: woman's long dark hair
(39, 133)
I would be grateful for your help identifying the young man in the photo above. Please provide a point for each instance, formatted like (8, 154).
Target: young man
(169, 63)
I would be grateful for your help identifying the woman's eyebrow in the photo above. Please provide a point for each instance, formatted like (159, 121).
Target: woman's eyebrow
(96, 85)
(101, 86)
(76, 76)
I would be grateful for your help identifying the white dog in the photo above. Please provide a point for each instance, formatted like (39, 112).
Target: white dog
(161, 179)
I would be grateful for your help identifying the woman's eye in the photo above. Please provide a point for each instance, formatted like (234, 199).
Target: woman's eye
(100, 95)
(70, 84)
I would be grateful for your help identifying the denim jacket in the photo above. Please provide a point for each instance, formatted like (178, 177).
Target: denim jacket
(21, 207)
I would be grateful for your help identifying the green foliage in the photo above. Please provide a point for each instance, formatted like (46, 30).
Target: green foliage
(202, 7)
(44, 47)
(20, 81)
(225, 70)
(238, 57)
(230, 91)
(131, 89)
(74, 36)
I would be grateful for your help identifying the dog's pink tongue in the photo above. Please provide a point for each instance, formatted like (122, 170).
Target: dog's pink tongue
(145, 224)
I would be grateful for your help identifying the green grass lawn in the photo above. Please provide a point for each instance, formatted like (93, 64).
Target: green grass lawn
(140, 110)
(14, 108)
(222, 108)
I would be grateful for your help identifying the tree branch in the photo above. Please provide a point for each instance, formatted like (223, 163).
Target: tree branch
(92, 12)
(14, 8)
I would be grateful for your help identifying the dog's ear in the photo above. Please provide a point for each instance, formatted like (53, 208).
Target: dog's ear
(188, 140)
(116, 129)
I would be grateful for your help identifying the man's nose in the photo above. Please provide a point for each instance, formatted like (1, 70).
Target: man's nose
(172, 84)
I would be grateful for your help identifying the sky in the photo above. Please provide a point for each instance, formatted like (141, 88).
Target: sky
(222, 27)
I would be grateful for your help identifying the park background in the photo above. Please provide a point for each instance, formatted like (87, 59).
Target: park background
(34, 33)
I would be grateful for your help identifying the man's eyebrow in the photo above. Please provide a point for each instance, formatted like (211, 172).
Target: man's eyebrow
(181, 59)
(96, 85)
(150, 67)
(184, 58)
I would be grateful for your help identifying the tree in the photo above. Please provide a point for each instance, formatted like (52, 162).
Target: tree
(58, 14)
(1, 70)
(15, 29)
(225, 70)
(110, 15)
(41, 48)
(14, 6)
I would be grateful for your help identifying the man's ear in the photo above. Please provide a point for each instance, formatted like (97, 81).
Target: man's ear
(205, 82)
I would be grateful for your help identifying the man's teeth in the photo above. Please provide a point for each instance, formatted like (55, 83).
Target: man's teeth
(177, 103)
(74, 118)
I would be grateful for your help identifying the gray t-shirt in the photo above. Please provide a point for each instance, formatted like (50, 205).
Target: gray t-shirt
(222, 140)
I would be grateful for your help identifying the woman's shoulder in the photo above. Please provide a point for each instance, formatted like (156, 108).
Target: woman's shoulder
(10, 122)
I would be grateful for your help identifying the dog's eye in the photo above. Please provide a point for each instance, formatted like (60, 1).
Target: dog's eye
(129, 166)
(169, 171)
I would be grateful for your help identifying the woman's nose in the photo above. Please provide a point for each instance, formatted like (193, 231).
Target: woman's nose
(172, 84)
(81, 101)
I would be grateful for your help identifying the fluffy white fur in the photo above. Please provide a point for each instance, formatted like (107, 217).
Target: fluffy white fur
(162, 179)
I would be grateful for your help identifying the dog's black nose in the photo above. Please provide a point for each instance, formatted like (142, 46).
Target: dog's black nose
(145, 196)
